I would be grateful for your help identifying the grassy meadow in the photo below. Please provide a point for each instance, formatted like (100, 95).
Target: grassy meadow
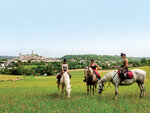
(39, 94)
(8, 77)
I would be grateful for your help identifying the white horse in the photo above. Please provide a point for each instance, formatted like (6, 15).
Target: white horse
(65, 82)
(139, 78)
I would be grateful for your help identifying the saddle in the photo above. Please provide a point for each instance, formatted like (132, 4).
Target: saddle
(129, 75)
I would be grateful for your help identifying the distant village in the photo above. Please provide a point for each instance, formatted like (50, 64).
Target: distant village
(27, 58)
(80, 62)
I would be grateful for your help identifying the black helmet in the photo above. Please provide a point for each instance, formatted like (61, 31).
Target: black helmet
(65, 60)
(122, 54)
(92, 60)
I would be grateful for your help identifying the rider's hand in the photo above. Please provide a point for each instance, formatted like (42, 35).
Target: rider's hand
(121, 69)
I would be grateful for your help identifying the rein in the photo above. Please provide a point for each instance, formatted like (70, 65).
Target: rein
(107, 86)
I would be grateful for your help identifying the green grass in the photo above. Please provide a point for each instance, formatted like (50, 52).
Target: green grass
(40, 95)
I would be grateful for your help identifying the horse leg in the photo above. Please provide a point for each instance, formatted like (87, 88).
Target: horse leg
(58, 89)
(143, 89)
(90, 88)
(62, 90)
(116, 91)
(140, 89)
(87, 89)
(93, 89)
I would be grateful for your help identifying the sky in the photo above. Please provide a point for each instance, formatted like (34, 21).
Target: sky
(55, 28)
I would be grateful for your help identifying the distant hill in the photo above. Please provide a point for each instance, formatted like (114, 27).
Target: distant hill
(100, 57)
(6, 57)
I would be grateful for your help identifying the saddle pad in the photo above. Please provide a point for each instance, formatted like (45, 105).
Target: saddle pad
(129, 75)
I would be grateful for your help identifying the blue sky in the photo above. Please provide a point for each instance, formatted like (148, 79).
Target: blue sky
(54, 28)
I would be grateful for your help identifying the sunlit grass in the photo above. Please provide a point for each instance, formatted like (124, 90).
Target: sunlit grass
(8, 77)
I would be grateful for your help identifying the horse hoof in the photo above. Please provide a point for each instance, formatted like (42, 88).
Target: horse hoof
(116, 99)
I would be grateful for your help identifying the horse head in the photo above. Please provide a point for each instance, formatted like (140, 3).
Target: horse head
(68, 90)
(100, 87)
(88, 71)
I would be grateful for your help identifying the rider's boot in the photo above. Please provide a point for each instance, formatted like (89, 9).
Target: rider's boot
(98, 78)
(122, 81)
(84, 79)
(58, 80)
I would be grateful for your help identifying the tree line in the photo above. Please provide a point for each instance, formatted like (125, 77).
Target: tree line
(74, 62)
(18, 69)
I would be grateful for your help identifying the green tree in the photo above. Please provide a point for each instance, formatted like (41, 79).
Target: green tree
(148, 62)
(143, 61)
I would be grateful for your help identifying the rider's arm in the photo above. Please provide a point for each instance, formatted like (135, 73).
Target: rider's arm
(126, 64)
(97, 67)
(89, 65)
(62, 68)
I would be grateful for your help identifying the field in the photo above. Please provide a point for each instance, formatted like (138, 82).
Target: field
(8, 77)
(39, 95)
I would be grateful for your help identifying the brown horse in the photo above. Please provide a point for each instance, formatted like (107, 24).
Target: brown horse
(91, 79)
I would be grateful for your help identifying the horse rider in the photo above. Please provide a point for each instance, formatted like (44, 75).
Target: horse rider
(64, 68)
(95, 68)
(124, 67)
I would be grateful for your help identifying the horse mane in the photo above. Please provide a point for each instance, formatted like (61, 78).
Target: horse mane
(109, 76)
(91, 72)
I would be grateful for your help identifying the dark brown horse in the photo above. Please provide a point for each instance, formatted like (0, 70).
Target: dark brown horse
(91, 79)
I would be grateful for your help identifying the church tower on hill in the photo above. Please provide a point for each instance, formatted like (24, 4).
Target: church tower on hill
(20, 56)
(32, 52)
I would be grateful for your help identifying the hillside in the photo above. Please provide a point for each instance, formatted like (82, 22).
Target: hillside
(99, 57)
(105, 61)
(6, 57)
